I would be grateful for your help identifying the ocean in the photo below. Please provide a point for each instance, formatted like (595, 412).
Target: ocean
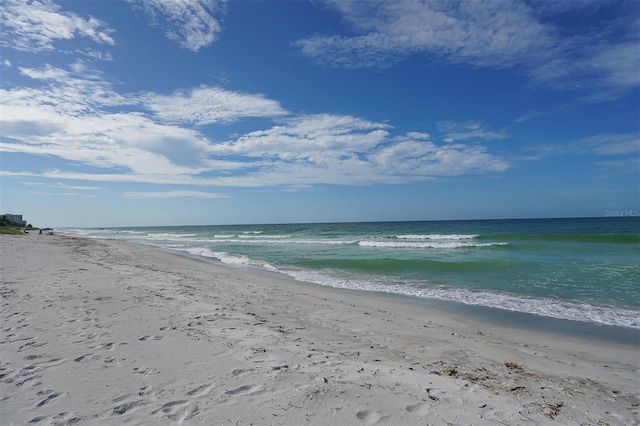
(583, 269)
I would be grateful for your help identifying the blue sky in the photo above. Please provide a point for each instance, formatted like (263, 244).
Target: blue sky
(152, 112)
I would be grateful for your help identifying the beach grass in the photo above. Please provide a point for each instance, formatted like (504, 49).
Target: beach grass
(10, 230)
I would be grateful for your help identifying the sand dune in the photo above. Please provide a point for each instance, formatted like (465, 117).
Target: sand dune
(110, 332)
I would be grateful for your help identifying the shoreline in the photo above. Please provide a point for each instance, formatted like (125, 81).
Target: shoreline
(103, 331)
(590, 331)
(560, 328)
(536, 268)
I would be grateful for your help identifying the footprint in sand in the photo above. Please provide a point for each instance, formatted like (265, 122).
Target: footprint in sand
(12, 338)
(30, 345)
(146, 391)
(51, 395)
(145, 338)
(63, 418)
(29, 372)
(85, 357)
(127, 407)
(32, 381)
(243, 390)
(178, 410)
(239, 372)
(170, 406)
(200, 390)
(146, 371)
(107, 346)
(32, 357)
(418, 409)
(371, 417)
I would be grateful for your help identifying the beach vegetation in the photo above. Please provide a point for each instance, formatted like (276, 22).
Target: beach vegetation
(8, 227)
(14, 230)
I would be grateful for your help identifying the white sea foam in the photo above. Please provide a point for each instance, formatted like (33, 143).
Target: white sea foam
(264, 237)
(128, 231)
(277, 240)
(323, 242)
(543, 306)
(230, 259)
(438, 237)
(169, 236)
(427, 244)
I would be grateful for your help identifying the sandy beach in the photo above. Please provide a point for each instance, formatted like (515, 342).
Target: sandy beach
(111, 332)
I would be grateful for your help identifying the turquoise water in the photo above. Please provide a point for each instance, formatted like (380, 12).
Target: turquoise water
(585, 269)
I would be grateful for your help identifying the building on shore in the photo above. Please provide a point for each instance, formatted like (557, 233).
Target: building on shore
(14, 218)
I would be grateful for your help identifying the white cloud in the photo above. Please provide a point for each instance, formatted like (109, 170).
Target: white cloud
(191, 23)
(424, 158)
(619, 66)
(207, 105)
(483, 33)
(308, 136)
(627, 165)
(76, 187)
(80, 91)
(418, 135)
(175, 194)
(533, 114)
(351, 151)
(528, 36)
(72, 117)
(46, 73)
(73, 122)
(476, 134)
(612, 144)
(34, 26)
(469, 130)
(128, 141)
(603, 144)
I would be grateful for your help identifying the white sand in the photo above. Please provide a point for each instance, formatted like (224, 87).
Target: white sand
(109, 332)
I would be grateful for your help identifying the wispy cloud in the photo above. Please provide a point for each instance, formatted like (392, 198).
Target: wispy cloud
(489, 34)
(612, 144)
(175, 194)
(421, 158)
(191, 23)
(469, 130)
(532, 114)
(348, 150)
(34, 26)
(482, 33)
(206, 105)
(59, 188)
(75, 187)
(626, 165)
(603, 145)
(308, 136)
(154, 138)
(74, 121)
